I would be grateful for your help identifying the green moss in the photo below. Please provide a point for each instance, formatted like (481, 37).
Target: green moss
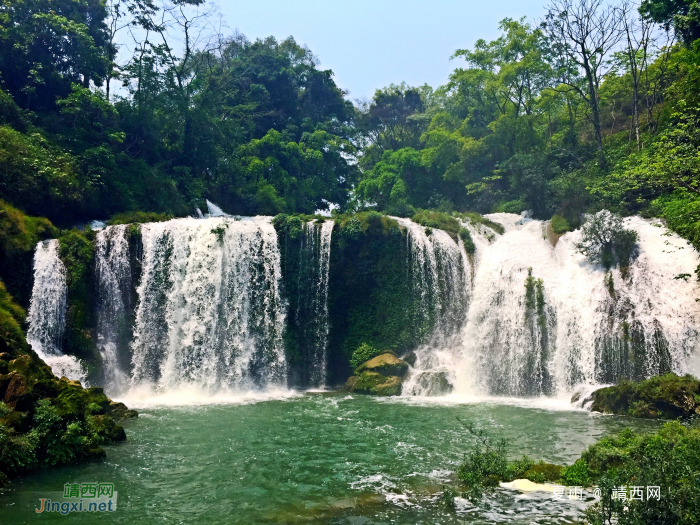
(375, 384)
(138, 217)
(19, 234)
(11, 319)
(77, 253)
(438, 220)
(466, 237)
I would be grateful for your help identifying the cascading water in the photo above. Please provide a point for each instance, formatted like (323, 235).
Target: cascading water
(525, 315)
(440, 274)
(543, 319)
(47, 311)
(209, 311)
(311, 312)
(114, 303)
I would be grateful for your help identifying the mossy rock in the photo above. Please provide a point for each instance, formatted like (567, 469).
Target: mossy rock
(386, 364)
(668, 397)
(106, 428)
(544, 472)
(120, 411)
(375, 384)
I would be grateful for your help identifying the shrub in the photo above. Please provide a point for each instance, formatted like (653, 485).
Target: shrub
(439, 220)
(466, 237)
(479, 220)
(669, 459)
(559, 224)
(363, 353)
(605, 241)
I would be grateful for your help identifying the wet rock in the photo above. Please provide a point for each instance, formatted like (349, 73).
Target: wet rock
(433, 384)
(120, 411)
(386, 364)
(350, 383)
(410, 358)
(15, 388)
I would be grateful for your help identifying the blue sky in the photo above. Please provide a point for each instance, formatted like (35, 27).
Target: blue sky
(370, 44)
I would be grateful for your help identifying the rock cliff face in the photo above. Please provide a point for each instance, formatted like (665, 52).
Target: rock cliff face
(668, 397)
(380, 376)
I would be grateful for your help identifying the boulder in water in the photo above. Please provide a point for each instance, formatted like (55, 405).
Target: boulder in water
(380, 376)
(374, 384)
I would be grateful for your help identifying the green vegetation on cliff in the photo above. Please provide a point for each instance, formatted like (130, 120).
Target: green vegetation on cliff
(46, 421)
(19, 234)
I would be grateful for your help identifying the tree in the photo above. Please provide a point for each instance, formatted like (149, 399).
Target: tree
(637, 35)
(47, 46)
(604, 240)
(682, 15)
(585, 32)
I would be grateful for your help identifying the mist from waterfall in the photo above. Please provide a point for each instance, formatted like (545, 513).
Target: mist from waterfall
(47, 311)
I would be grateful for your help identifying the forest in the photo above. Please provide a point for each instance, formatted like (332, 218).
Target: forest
(595, 106)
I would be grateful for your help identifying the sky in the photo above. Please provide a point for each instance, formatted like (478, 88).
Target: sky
(371, 44)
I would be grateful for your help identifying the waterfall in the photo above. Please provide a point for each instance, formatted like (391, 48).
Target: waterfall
(440, 274)
(542, 319)
(47, 311)
(199, 307)
(114, 303)
(311, 311)
(209, 311)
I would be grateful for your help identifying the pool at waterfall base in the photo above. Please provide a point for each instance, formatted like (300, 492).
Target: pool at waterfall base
(319, 457)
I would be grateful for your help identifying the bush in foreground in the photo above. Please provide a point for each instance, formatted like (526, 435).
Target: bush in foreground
(621, 464)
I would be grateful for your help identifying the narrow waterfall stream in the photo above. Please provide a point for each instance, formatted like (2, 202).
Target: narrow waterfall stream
(311, 312)
(47, 311)
(114, 303)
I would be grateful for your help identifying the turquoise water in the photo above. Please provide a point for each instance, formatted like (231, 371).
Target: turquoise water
(318, 458)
